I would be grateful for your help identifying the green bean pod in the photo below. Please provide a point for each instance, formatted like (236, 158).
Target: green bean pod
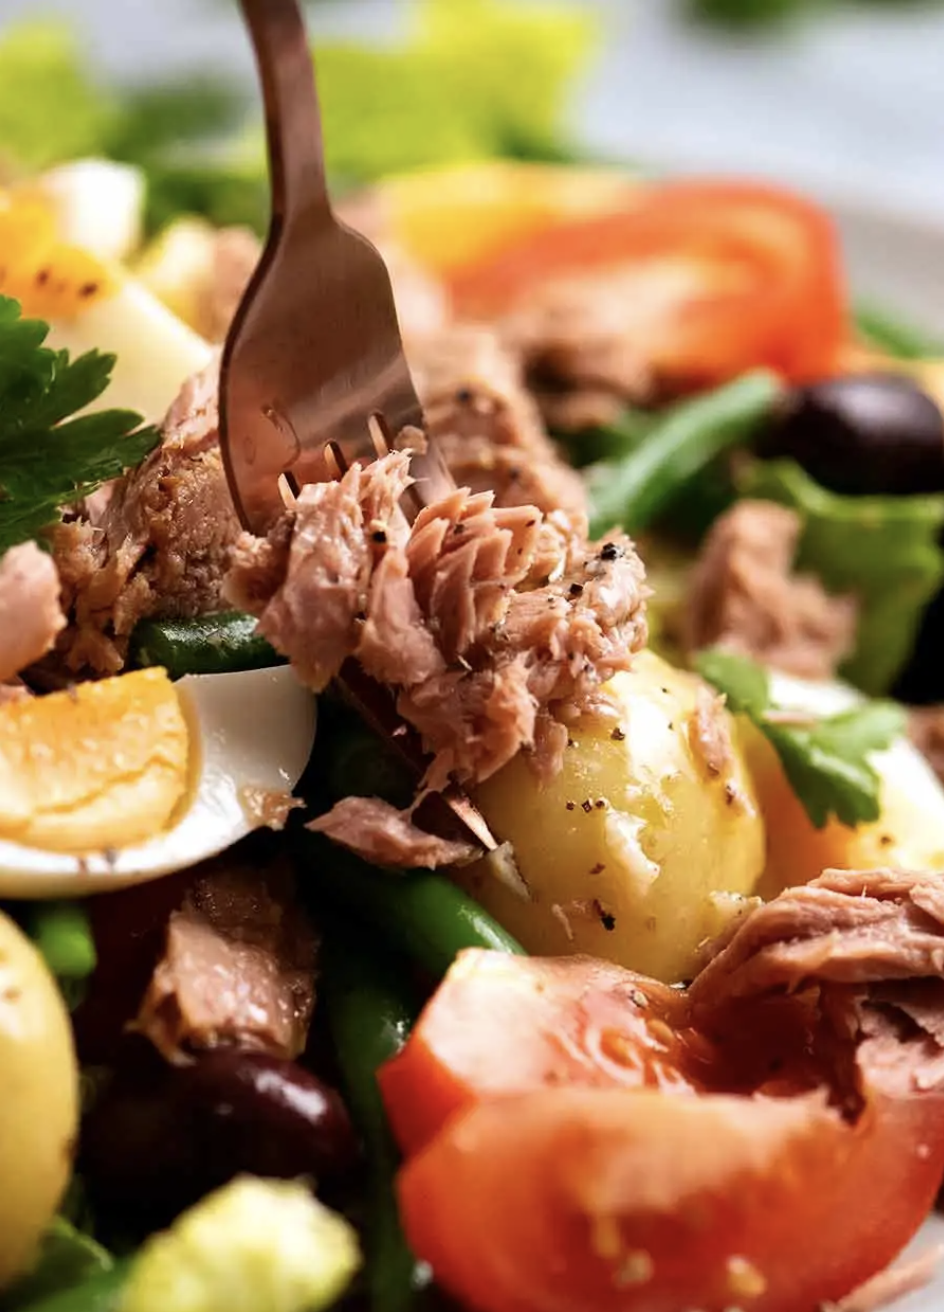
(63, 934)
(422, 914)
(370, 1011)
(632, 491)
(100, 1292)
(209, 644)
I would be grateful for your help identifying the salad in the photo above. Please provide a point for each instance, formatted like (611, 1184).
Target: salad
(270, 1038)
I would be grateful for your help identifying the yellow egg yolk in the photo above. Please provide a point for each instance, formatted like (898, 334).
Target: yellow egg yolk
(99, 767)
(50, 279)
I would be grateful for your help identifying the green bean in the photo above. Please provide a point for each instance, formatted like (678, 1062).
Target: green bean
(424, 915)
(608, 441)
(370, 1012)
(209, 644)
(635, 489)
(361, 764)
(62, 932)
(67, 1259)
(101, 1292)
(890, 334)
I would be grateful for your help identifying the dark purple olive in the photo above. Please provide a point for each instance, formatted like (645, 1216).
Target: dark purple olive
(863, 434)
(161, 1136)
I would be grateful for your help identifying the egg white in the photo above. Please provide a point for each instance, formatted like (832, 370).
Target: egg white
(99, 205)
(155, 351)
(251, 734)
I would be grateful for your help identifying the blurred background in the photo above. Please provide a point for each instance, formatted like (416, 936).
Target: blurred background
(843, 99)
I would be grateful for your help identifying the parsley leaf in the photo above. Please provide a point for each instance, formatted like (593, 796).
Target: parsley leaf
(50, 458)
(826, 760)
(744, 683)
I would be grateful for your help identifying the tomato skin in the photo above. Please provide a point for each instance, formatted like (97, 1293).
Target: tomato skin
(629, 1201)
(761, 284)
(578, 1136)
(573, 1020)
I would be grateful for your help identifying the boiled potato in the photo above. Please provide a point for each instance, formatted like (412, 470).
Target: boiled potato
(38, 1099)
(635, 852)
(909, 833)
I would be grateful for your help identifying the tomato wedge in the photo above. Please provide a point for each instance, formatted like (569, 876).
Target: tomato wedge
(578, 1136)
(569, 1199)
(569, 1021)
(718, 277)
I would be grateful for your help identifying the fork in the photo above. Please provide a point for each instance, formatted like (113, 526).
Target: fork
(313, 374)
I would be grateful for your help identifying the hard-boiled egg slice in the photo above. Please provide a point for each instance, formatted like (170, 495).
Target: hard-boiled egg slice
(198, 764)
(91, 303)
(155, 351)
(98, 203)
(909, 833)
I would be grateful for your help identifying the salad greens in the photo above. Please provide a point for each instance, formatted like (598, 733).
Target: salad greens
(51, 108)
(50, 455)
(762, 13)
(826, 760)
(469, 80)
(885, 550)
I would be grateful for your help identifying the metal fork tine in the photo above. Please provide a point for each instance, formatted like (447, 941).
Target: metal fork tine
(313, 374)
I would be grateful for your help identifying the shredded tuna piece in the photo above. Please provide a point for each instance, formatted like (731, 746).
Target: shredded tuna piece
(486, 424)
(394, 644)
(380, 833)
(268, 807)
(473, 722)
(312, 597)
(582, 352)
(709, 735)
(573, 412)
(744, 597)
(846, 927)
(238, 966)
(161, 544)
(494, 624)
(30, 614)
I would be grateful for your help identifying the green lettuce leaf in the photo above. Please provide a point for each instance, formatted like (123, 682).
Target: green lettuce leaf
(885, 550)
(51, 107)
(472, 79)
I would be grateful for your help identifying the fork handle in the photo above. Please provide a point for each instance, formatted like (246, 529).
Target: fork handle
(293, 117)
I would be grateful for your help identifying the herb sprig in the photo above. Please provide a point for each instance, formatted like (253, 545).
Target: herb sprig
(826, 759)
(51, 455)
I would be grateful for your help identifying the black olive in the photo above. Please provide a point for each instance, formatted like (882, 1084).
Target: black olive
(863, 434)
(160, 1137)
